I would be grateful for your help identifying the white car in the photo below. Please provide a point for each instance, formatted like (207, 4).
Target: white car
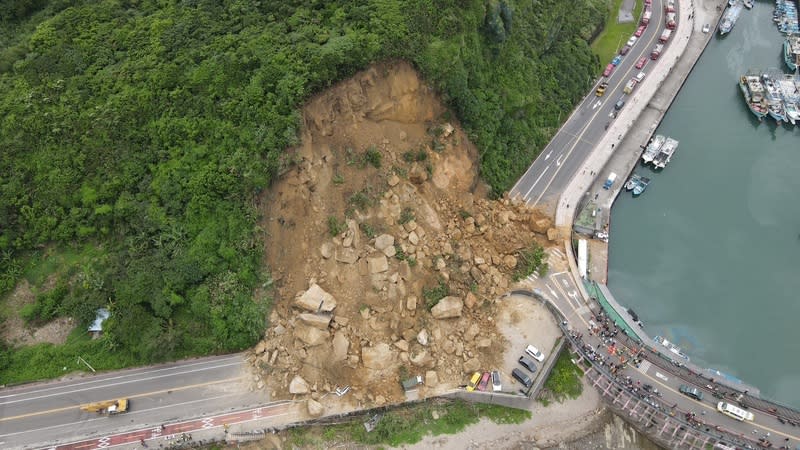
(534, 353)
(631, 41)
(496, 386)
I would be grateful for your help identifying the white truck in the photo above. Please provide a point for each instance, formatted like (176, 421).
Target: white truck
(610, 180)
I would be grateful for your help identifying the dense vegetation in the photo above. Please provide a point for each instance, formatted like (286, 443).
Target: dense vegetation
(136, 134)
(408, 425)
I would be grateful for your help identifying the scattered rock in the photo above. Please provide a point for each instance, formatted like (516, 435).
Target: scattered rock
(340, 346)
(411, 303)
(413, 238)
(483, 343)
(471, 332)
(422, 337)
(298, 386)
(377, 357)
(315, 408)
(431, 378)
(320, 321)
(422, 359)
(470, 300)
(472, 365)
(510, 261)
(346, 255)
(448, 307)
(311, 336)
(326, 250)
(383, 241)
(315, 299)
(378, 264)
(260, 347)
(402, 344)
(393, 180)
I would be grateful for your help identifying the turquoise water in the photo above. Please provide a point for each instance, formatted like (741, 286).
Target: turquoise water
(708, 256)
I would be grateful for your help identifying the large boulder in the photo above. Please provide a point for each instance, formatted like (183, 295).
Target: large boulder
(472, 365)
(378, 357)
(383, 241)
(378, 264)
(298, 386)
(315, 299)
(320, 321)
(447, 308)
(423, 359)
(340, 346)
(315, 408)
(311, 336)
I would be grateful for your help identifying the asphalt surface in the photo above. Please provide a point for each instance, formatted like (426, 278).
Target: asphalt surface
(560, 289)
(49, 413)
(550, 173)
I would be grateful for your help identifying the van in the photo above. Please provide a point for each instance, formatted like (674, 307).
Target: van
(522, 378)
(527, 363)
(734, 411)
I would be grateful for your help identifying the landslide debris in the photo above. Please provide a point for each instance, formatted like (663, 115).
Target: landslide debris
(386, 255)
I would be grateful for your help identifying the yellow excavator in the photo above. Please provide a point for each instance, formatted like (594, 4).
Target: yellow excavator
(109, 407)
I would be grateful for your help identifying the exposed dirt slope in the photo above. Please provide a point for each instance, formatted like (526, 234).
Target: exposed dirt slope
(413, 218)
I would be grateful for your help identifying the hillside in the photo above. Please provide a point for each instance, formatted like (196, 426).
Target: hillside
(137, 136)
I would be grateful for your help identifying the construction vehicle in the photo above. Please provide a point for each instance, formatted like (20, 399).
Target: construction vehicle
(108, 407)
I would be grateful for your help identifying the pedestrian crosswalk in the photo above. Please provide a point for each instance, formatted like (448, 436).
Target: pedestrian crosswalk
(643, 366)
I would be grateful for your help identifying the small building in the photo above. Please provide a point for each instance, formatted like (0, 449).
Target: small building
(96, 328)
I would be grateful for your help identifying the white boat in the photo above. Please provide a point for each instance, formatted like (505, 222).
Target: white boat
(652, 148)
(665, 154)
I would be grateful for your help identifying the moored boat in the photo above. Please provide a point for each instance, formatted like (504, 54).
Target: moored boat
(730, 16)
(632, 182)
(753, 92)
(652, 148)
(774, 98)
(641, 186)
(791, 52)
(665, 154)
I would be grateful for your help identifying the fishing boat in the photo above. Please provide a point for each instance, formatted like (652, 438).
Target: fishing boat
(665, 154)
(730, 17)
(791, 52)
(641, 186)
(632, 182)
(671, 347)
(652, 148)
(774, 98)
(753, 92)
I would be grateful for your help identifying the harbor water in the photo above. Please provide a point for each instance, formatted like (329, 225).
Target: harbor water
(709, 255)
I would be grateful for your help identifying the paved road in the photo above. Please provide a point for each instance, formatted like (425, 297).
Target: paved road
(548, 176)
(560, 289)
(42, 413)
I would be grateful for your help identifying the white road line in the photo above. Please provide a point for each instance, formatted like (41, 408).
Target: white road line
(126, 375)
(535, 183)
(117, 384)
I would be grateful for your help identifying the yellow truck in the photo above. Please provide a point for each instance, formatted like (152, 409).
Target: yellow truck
(109, 407)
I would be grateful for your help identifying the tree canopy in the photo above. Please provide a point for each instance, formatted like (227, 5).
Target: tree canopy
(147, 127)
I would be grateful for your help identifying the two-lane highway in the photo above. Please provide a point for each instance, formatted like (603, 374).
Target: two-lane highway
(547, 177)
(32, 415)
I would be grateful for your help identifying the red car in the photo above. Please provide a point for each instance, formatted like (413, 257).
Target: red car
(484, 381)
(640, 31)
(609, 69)
(641, 63)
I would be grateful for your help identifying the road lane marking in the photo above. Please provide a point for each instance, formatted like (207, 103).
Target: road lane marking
(101, 378)
(67, 408)
(537, 181)
(559, 160)
(547, 156)
(114, 384)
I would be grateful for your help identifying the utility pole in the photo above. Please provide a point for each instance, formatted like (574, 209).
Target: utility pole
(81, 360)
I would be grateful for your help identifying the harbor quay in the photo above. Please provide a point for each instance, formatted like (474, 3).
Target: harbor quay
(584, 212)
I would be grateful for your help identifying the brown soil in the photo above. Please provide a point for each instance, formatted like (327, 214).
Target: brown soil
(456, 236)
(17, 333)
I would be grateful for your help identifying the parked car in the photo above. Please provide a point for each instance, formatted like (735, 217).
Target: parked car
(640, 76)
(535, 353)
(496, 385)
(691, 392)
(656, 51)
(631, 41)
(609, 70)
(641, 63)
(601, 89)
(484, 381)
(624, 50)
(473, 382)
(640, 31)
(629, 86)
(522, 378)
(620, 103)
(527, 363)
(617, 59)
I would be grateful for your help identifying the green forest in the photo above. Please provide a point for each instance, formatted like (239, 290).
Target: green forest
(135, 136)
